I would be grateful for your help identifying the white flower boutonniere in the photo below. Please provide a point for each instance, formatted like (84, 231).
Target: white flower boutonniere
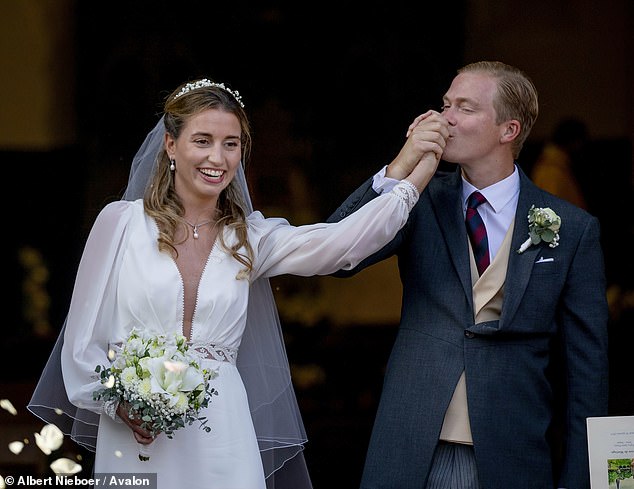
(543, 225)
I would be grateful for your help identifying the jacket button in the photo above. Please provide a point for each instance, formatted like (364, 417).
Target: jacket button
(469, 334)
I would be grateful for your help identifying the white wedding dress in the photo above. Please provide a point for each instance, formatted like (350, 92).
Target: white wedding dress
(123, 282)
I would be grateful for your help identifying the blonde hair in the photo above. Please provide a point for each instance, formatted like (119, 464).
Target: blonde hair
(161, 201)
(516, 97)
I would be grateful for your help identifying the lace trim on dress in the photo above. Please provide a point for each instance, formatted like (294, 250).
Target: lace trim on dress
(110, 408)
(215, 352)
(408, 192)
(207, 352)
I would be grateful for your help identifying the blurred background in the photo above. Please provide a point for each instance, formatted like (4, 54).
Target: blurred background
(330, 88)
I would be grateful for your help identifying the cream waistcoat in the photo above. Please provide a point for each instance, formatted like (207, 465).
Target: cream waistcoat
(488, 293)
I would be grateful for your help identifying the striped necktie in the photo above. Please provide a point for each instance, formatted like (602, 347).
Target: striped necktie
(477, 232)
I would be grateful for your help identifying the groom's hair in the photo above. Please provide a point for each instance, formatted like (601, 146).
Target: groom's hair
(516, 96)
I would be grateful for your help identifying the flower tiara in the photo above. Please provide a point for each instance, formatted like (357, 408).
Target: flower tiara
(208, 83)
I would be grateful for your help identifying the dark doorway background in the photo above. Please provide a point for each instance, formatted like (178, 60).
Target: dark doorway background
(331, 88)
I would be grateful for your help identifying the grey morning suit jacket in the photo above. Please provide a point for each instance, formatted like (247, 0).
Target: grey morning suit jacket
(532, 377)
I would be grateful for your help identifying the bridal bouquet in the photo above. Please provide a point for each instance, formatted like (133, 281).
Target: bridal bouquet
(160, 380)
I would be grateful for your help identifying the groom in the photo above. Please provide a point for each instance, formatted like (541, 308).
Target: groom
(500, 356)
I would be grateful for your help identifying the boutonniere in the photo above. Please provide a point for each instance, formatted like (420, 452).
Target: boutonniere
(543, 225)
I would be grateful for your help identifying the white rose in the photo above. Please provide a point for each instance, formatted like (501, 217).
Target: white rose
(144, 388)
(119, 362)
(192, 378)
(144, 363)
(181, 403)
(135, 346)
(129, 377)
(156, 350)
(547, 218)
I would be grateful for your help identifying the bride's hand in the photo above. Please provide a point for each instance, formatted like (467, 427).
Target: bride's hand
(426, 140)
(142, 436)
(423, 171)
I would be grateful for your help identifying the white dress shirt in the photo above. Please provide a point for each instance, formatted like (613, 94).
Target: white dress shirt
(497, 212)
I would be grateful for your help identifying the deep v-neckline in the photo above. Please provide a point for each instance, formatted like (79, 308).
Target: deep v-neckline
(191, 276)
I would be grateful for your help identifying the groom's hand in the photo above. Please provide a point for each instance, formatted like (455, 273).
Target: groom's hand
(426, 139)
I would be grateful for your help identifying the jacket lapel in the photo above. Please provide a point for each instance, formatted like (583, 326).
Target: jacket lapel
(446, 201)
(447, 204)
(520, 265)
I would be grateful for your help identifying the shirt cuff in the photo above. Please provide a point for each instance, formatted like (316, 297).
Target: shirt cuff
(382, 184)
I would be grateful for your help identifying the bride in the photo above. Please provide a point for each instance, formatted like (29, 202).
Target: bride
(191, 256)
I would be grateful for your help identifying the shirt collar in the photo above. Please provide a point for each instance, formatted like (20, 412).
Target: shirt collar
(498, 195)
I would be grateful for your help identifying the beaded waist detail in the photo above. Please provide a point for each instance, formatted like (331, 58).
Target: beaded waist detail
(210, 351)
(215, 352)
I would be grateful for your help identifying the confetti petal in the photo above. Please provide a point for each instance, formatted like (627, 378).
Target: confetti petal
(6, 404)
(16, 447)
(49, 438)
(65, 466)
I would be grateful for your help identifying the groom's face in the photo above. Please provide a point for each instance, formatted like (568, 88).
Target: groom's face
(474, 133)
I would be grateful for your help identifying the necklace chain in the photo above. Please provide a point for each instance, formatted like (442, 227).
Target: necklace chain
(196, 226)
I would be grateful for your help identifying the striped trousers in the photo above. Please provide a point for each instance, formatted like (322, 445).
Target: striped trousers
(453, 467)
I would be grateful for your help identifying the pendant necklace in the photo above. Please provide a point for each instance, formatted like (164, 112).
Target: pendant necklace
(196, 226)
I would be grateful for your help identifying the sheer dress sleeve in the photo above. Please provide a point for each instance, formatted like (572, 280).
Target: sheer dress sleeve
(63, 394)
(91, 315)
(324, 248)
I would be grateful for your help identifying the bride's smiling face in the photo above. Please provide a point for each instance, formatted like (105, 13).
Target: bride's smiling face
(207, 154)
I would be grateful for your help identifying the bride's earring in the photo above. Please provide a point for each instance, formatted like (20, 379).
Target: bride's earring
(172, 165)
